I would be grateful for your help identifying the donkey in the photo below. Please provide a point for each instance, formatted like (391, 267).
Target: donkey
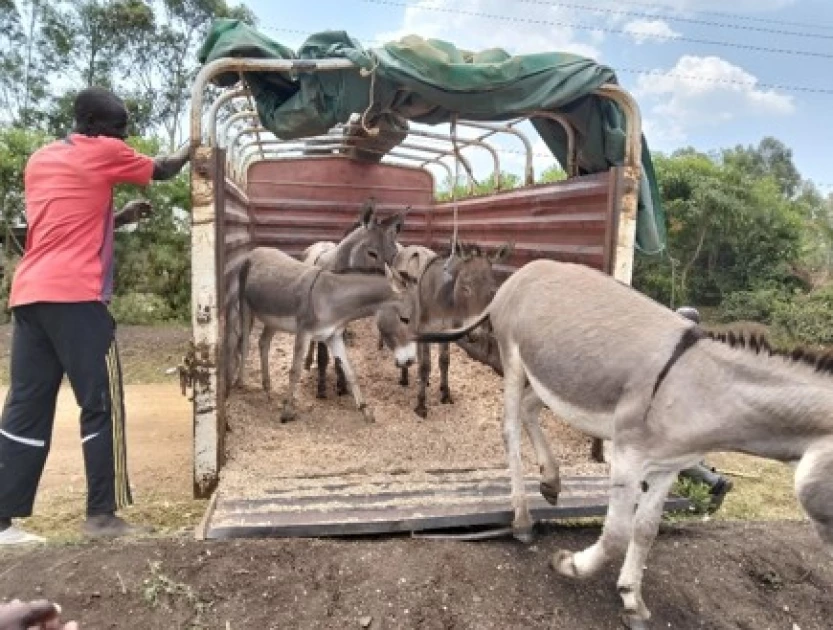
(619, 366)
(448, 290)
(370, 243)
(315, 305)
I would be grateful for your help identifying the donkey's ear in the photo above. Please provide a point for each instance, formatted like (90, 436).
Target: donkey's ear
(398, 221)
(502, 253)
(367, 212)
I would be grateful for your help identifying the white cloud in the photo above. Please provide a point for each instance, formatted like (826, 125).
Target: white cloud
(645, 30)
(457, 21)
(701, 92)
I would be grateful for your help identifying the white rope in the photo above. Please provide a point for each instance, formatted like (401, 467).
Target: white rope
(454, 183)
(370, 131)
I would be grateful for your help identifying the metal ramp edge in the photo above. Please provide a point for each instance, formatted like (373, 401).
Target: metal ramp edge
(332, 507)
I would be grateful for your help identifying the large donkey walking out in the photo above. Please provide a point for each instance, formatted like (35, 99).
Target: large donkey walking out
(619, 366)
(315, 305)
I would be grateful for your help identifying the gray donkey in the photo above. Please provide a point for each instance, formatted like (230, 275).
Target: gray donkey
(619, 366)
(315, 305)
(370, 243)
(448, 290)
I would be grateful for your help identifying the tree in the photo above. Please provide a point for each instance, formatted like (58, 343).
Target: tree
(552, 174)
(730, 228)
(168, 63)
(771, 158)
(16, 145)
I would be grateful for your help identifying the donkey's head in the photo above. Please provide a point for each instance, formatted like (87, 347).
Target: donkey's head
(468, 277)
(371, 241)
(397, 317)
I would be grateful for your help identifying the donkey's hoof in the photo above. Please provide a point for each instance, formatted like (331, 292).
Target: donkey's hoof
(404, 382)
(369, 417)
(523, 533)
(321, 394)
(445, 398)
(631, 621)
(421, 411)
(288, 414)
(550, 492)
(563, 562)
(342, 390)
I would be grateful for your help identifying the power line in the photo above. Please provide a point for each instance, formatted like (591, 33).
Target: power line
(730, 16)
(615, 31)
(646, 72)
(674, 18)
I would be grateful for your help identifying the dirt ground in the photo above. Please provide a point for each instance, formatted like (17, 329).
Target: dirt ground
(331, 437)
(159, 430)
(722, 575)
(713, 576)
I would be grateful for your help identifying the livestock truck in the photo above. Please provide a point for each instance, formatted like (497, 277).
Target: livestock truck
(288, 146)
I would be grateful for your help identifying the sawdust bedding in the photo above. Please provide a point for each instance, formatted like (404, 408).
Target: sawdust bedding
(330, 437)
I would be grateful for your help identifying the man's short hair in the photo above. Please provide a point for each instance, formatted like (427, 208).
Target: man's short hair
(99, 112)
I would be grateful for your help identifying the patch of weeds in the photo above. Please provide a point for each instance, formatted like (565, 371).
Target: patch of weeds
(161, 591)
(697, 492)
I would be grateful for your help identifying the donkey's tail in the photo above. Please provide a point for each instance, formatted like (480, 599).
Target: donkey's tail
(454, 334)
(243, 306)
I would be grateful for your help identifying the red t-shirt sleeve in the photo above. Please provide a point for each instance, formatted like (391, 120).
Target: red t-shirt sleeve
(120, 164)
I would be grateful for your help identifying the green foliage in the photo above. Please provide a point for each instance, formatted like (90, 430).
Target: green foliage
(552, 174)
(134, 309)
(758, 305)
(729, 230)
(698, 492)
(154, 258)
(807, 319)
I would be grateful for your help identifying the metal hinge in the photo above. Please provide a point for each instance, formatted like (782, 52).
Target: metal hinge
(195, 369)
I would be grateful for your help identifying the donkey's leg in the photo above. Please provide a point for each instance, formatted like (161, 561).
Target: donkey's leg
(310, 355)
(301, 341)
(424, 357)
(264, 344)
(814, 491)
(322, 360)
(513, 388)
(645, 526)
(246, 320)
(531, 407)
(625, 473)
(341, 380)
(403, 376)
(339, 351)
(381, 343)
(445, 360)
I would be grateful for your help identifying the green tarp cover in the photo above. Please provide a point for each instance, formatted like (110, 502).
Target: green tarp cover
(427, 81)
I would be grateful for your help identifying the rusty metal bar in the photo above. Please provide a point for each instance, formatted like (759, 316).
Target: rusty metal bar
(224, 98)
(571, 138)
(229, 64)
(626, 231)
(334, 142)
(280, 147)
(529, 171)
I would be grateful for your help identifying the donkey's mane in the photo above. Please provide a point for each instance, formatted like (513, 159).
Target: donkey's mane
(757, 343)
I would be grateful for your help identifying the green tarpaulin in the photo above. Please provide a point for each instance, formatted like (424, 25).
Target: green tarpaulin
(427, 81)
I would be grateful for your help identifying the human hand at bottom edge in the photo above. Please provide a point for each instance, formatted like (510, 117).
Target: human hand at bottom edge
(37, 615)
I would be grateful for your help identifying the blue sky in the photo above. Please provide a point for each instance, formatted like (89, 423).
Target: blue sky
(707, 95)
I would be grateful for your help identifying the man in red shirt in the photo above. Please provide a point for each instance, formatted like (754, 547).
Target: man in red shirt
(62, 324)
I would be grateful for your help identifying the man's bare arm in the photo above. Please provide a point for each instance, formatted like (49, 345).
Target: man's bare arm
(169, 166)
